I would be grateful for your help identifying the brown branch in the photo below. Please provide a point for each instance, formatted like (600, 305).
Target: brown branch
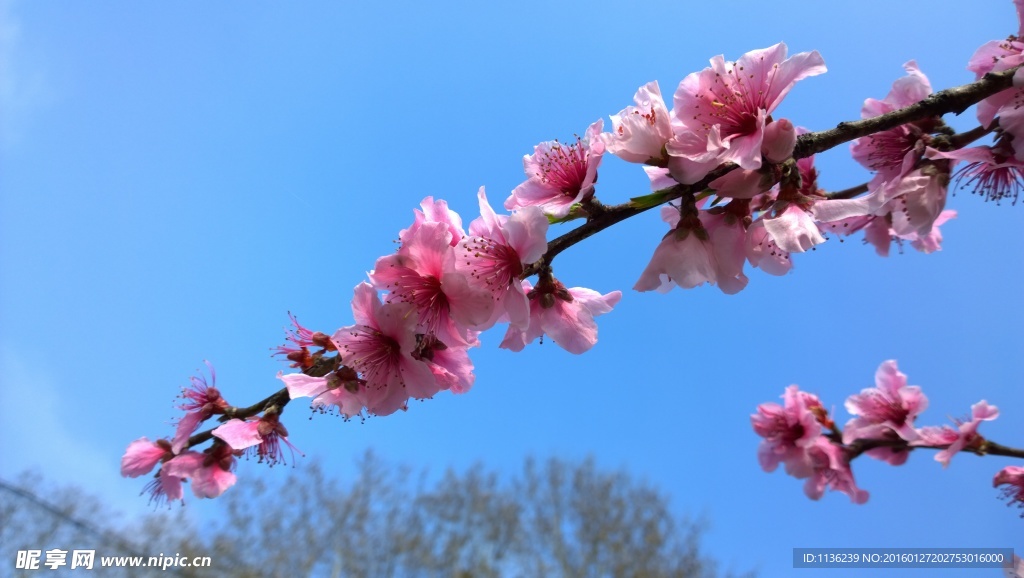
(848, 193)
(279, 398)
(954, 100)
(986, 447)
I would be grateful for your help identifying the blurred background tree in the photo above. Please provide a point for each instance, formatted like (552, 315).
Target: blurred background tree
(556, 518)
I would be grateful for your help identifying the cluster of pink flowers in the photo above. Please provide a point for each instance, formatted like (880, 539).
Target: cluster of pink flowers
(802, 435)
(742, 198)
(415, 322)
(210, 472)
(426, 304)
(765, 209)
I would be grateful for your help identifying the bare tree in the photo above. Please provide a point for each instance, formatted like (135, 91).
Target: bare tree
(557, 518)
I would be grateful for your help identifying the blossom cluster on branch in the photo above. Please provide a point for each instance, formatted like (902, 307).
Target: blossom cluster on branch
(736, 185)
(801, 435)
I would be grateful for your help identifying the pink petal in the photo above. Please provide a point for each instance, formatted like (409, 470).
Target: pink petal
(239, 434)
(140, 457)
(794, 230)
(302, 385)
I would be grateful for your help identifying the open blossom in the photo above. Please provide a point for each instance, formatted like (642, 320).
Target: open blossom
(1007, 105)
(262, 437)
(830, 468)
(566, 315)
(891, 405)
(894, 152)
(202, 400)
(792, 435)
(495, 252)
(164, 488)
(332, 390)
(560, 175)
(886, 411)
(684, 257)
(1013, 478)
(720, 113)
(209, 472)
(789, 431)
(965, 435)
(422, 273)
(451, 367)
(143, 455)
(991, 171)
(728, 239)
(435, 211)
(379, 346)
(763, 252)
(639, 133)
(915, 202)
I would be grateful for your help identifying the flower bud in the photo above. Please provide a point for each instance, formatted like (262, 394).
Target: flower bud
(779, 140)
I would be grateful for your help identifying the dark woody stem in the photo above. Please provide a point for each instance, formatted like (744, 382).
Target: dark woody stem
(859, 446)
(954, 100)
(600, 217)
(280, 398)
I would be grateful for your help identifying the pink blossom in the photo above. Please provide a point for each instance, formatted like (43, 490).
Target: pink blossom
(423, 275)
(726, 107)
(743, 183)
(262, 437)
(451, 367)
(915, 201)
(997, 56)
(202, 401)
(831, 469)
(379, 346)
(728, 240)
(164, 488)
(789, 430)
(1013, 478)
(209, 472)
(793, 229)
(639, 133)
(436, 212)
(493, 256)
(891, 405)
(142, 455)
(710, 248)
(566, 315)
(659, 178)
(764, 253)
(877, 232)
(894, 152)
(560, 175)
(339, 389)
(964, 436)
(992, 172)
(684, 257)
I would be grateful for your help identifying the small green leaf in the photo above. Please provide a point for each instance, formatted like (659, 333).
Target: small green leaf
(654, 199)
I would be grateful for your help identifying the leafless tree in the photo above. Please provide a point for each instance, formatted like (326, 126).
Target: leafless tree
(556, 518)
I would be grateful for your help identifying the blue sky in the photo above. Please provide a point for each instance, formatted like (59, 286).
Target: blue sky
(175, 178)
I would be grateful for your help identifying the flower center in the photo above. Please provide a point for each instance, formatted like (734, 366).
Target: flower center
(564, 167)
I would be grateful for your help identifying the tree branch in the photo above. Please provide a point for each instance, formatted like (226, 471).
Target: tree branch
(279, 398)
(954, 100)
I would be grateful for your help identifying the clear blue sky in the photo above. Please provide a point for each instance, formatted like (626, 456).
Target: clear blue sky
(175, 177)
